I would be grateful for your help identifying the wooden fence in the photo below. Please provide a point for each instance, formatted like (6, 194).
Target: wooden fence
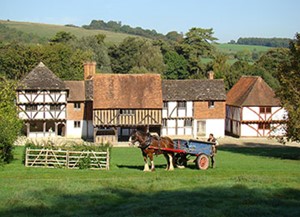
(67, 159)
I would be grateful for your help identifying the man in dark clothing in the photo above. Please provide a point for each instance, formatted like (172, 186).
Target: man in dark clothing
(214, 149)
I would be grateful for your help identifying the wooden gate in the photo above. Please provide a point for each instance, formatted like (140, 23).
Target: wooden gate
(66, 159)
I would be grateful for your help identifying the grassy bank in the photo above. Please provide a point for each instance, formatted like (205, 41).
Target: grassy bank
(246, 182)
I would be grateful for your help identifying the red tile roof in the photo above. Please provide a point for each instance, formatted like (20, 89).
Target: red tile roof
(132, 91)
(76, 90)
(251, 91)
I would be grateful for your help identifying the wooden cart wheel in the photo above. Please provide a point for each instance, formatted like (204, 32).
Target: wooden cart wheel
(202, 162)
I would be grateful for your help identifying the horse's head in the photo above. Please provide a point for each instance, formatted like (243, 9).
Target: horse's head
(134, 137)
(137, 137)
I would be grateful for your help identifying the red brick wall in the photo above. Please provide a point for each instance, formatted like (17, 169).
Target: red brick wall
(75, 114)
(202, 111)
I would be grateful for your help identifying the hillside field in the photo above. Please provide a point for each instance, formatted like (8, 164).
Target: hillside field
(48, 31)
(260, 181)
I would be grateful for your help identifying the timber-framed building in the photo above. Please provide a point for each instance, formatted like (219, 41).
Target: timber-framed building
(252, 110)
(42, 102)
(193, 108)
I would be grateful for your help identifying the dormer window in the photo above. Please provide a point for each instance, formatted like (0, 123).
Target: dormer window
(211, 104)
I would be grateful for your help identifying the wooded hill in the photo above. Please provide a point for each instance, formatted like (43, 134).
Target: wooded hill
(174, 56)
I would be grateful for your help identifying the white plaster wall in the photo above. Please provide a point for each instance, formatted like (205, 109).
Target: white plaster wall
(189, 106)
(215, 126)
(250, 114)
(172, 109)
(246, 130)
(280, 114)
(72, 132)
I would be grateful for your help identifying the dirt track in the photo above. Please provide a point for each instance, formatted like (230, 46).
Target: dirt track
(253, 142)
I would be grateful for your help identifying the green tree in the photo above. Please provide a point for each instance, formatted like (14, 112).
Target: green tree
(135, 54)
(197, 43)
(96, 46)
(149, 57)
(17, 60)
(176, 66)
(63, 37)
(289, 91)
(64, 60)
(10, 124)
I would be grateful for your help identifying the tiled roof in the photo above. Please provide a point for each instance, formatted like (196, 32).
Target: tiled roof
(251, 91)
(193, 90)
(132, 91)
(41, 78)
(76, 90)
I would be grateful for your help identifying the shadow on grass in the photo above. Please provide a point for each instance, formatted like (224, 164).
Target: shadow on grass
(282, 152)
(234, 201)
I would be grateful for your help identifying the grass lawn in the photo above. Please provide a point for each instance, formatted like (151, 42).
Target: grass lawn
(246, 182)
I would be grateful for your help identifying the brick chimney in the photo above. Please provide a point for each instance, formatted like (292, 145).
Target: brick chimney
(210, 75)
(89, 70)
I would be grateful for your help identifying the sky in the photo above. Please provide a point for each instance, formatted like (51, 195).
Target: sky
(230, 19)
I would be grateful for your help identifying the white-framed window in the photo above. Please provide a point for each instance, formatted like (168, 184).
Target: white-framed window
(211, 104)
(76, 124)
(76, 105)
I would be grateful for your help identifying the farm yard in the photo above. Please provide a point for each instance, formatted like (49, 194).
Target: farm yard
(251, 179)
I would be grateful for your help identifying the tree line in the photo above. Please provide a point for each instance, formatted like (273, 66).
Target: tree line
(268, 42)
(118, 27)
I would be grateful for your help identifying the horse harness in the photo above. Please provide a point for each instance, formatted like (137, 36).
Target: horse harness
(148, 142)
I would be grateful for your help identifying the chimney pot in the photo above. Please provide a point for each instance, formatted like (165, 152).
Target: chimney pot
(211, 75)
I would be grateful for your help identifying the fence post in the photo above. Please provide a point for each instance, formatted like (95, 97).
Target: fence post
(107, 159)
(67, 159)
(26, 156)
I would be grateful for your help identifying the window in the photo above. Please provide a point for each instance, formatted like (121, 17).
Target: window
(127, 112)
(265, 126)
(54, 107)
(76, 124)
(211, 104)
(31, 108)
(188, 122)
(77, 105)
(181, 105)
(266, 110)
(165, 105)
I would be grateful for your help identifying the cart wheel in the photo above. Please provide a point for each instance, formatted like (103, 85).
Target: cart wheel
(202, 162)
(180, 160)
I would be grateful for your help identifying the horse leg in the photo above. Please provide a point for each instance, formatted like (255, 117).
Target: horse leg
(146, 166)
(152, 162)
(168, 163)
(171, 167)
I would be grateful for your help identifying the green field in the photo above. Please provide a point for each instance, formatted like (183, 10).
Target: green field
(48, 30)
(233, 48)
(246, 182)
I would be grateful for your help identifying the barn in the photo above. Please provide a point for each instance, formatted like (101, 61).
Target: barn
(252, 110)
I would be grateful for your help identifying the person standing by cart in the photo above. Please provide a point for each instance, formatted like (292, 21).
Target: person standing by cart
(211, 138)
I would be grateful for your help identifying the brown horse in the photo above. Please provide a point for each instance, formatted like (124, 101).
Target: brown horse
(151, 145)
